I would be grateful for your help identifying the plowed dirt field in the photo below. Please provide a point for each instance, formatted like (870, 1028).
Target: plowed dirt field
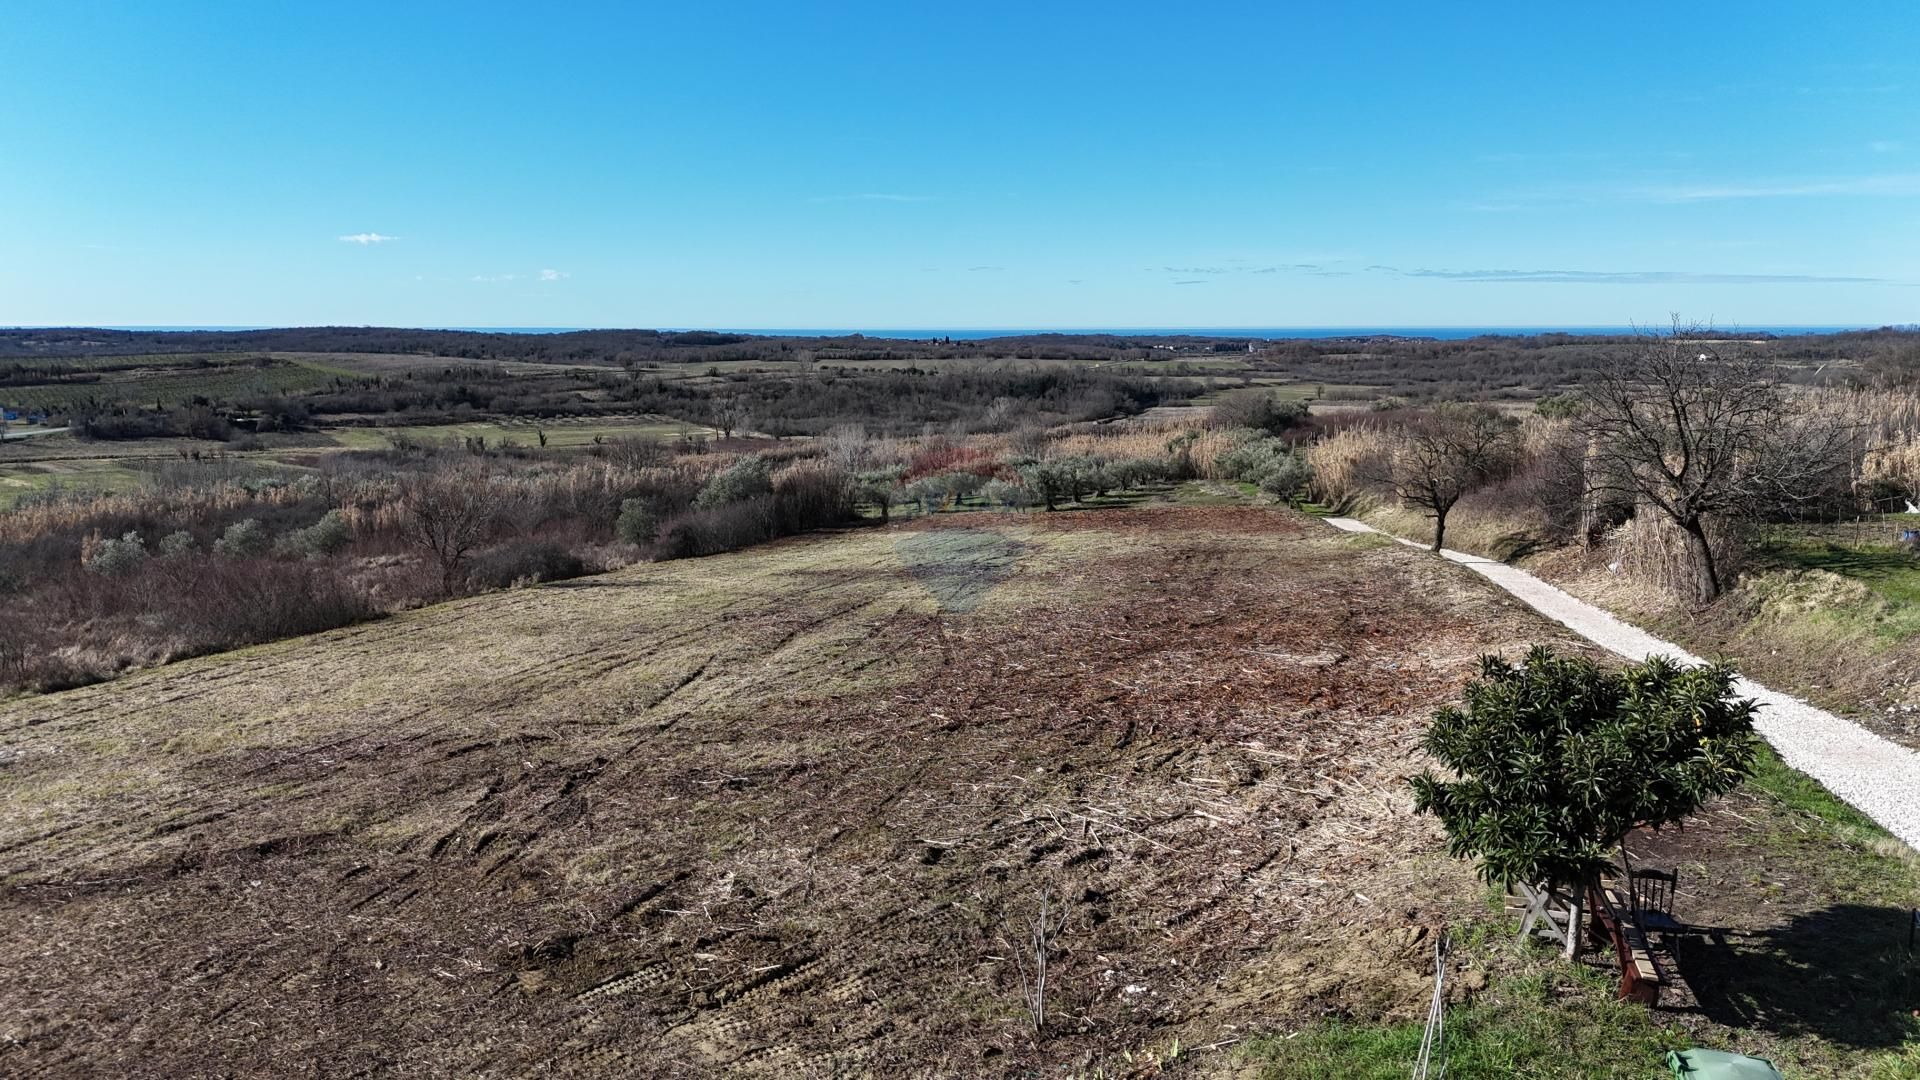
(786, 812)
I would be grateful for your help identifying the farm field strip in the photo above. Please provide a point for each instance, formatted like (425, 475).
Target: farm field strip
(561, 431)
(171, 384)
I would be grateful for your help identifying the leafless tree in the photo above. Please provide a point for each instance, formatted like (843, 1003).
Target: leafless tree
(1000, 413)
(732, 415)
(448, 516)
(1439, 457)
(848, 446)
(1700, 438)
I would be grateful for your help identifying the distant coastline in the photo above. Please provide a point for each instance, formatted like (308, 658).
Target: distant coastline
(1273, 333)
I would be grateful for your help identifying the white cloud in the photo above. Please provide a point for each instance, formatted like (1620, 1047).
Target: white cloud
(366, 238)
(1632, 277)
(554, 275)
(1898, 184)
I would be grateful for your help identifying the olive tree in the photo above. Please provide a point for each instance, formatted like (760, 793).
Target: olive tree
(881, 489)
(1556, 760)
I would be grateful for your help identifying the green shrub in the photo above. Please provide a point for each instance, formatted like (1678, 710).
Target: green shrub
(177, 543)
(639, 521)
(1559, 759)
(324, 537)
(243, 539)
(1558, 406)
(117, 556)
(748, 478)
(1269, 464)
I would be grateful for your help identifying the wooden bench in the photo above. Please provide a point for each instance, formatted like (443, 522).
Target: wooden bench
(1640, 976)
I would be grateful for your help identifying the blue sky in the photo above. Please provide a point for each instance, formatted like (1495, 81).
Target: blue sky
(961, 165)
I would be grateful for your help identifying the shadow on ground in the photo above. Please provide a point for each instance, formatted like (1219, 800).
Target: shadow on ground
(1842, 973)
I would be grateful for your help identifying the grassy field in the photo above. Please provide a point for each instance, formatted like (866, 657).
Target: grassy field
(61, 462)
(20, 480)
(563, 432)
(1800, 905)
(170, 380)
(791, 811)
(34, 466)
(1866, 551)
(1292, 390)
(402, 363)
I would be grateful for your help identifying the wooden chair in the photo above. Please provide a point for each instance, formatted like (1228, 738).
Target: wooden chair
(1651, 894)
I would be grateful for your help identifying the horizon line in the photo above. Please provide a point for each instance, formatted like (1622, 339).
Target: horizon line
(788, 330)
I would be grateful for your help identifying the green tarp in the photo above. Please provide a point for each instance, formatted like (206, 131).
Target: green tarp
(1716, 1065)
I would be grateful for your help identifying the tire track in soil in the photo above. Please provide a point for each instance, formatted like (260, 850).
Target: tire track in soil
(803, 876)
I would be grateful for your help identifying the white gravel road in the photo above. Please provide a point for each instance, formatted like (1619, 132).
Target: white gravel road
(1878, 777)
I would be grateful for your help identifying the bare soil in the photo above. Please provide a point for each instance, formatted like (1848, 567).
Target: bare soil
(780, 812)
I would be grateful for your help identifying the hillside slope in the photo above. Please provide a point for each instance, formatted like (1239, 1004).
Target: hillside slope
(782, 812)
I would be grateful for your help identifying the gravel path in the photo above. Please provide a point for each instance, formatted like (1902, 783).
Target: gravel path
(1878, 777)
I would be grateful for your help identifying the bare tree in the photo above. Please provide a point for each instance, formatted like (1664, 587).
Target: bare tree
(1701, 438)
(848, 446)
(732, 415)
(447, 516)
(1441, 456)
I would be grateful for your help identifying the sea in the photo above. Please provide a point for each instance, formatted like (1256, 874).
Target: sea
(1444, 333)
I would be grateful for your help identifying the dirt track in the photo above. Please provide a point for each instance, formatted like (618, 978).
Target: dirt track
(773, 813)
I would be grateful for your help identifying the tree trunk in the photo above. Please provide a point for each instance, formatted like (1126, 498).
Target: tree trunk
(1439, 528)
(1575, 902)
(1706, 576)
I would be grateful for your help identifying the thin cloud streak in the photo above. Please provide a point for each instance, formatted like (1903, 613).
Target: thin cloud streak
(365, 239)
(1632, 277)
(1893, 184)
